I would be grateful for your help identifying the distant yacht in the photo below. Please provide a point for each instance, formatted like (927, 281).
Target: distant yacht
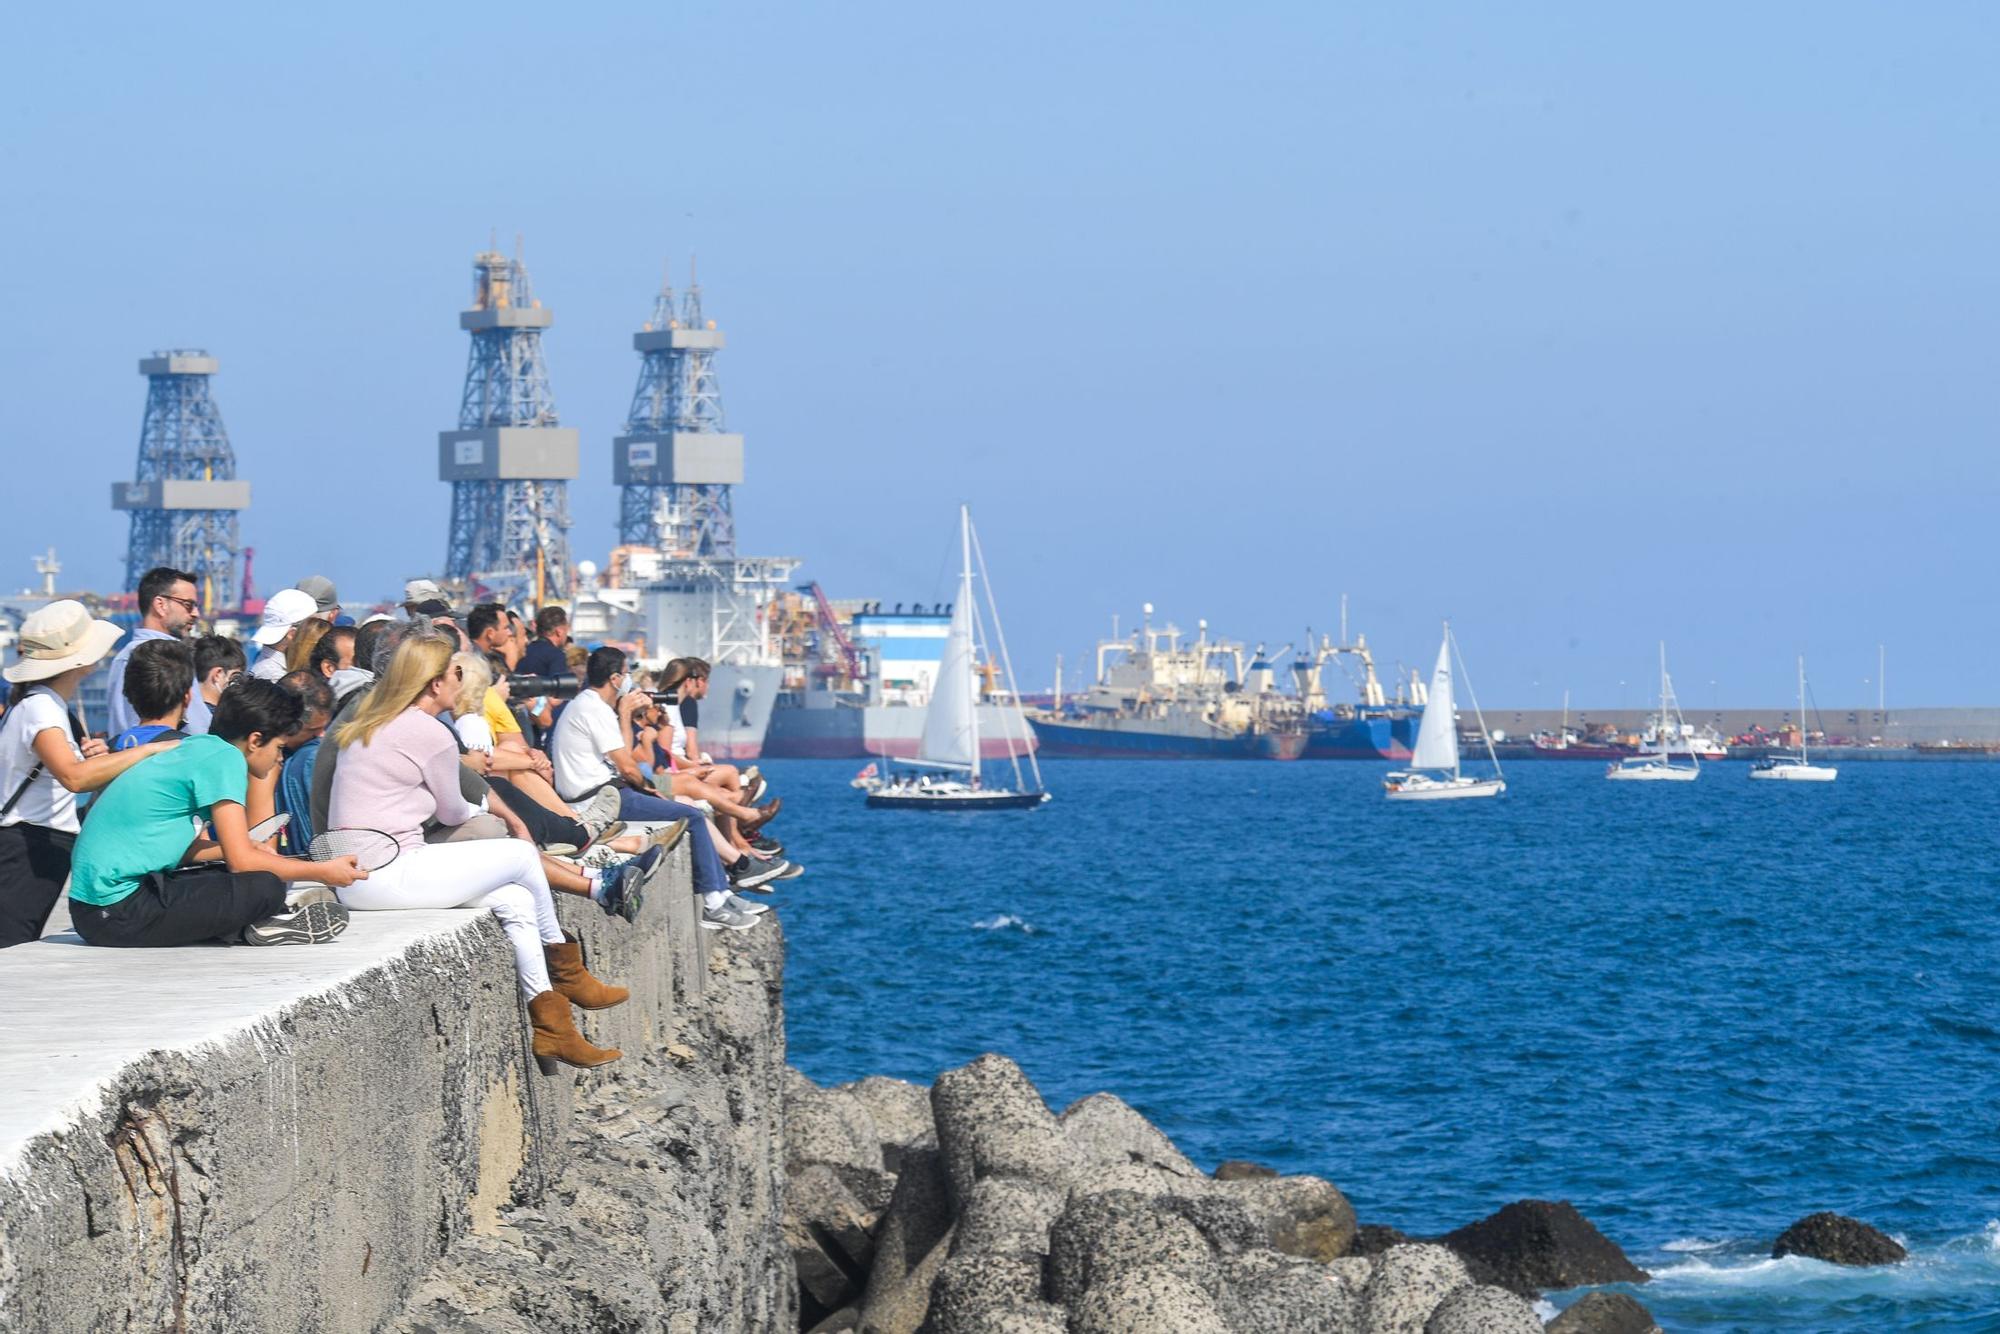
(1795, 768)
(951, 722)
(1434, 773)
(1658, 766)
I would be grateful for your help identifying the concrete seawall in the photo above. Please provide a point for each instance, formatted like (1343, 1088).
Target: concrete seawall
(317, 1138)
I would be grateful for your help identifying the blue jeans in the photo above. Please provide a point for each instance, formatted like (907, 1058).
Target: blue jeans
(708, 876)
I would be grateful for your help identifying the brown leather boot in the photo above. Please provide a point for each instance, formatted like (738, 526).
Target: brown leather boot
(569, 977)
(556, 1038)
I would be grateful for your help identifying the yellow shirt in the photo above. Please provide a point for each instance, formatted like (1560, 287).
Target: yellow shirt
(498, 716)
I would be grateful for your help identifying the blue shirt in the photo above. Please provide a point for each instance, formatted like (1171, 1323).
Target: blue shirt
(295, 790)
(122, 718)
(140, 735)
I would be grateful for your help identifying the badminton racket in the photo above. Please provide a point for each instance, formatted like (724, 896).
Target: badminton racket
(371, 848)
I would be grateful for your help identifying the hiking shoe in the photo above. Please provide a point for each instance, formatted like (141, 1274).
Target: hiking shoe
(755, 873)
(307, 924)
(726, 918)
(741, 904)
(625, 891)
(668, 836)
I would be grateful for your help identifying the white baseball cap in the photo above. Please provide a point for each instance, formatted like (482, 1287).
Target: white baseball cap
(287, 607)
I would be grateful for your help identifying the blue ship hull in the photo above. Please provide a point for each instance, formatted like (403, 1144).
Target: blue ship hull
(1076, 741)
(1372, 736)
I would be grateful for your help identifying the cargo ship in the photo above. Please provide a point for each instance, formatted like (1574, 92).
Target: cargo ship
(1157, 698)
(857, 680)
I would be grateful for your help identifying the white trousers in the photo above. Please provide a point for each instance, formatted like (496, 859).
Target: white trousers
(502, 875)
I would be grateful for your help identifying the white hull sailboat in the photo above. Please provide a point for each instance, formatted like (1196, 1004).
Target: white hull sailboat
(1434, 773)
(1795, 768)
(1660, 767)
(946, 773)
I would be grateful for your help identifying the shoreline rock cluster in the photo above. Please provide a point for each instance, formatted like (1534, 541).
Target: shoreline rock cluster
(972, 1207)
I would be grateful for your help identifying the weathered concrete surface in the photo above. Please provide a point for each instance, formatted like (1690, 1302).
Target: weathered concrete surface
(228, 1138)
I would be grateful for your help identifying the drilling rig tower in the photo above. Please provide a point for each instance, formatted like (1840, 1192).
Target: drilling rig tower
(184, 498)
(675, 464)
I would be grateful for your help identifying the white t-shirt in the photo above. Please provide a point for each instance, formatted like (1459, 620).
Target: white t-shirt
(475, 732)
(587, 732)
(46, 802)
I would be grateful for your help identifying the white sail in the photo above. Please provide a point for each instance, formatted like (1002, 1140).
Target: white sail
(1437, 734)
(951, 725)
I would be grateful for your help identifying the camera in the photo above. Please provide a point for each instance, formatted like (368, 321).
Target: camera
(529, 687)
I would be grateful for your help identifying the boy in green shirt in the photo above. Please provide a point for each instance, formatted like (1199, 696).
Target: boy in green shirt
(141, 874)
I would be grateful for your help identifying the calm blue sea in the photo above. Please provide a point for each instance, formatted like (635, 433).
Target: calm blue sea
(1699, 1012)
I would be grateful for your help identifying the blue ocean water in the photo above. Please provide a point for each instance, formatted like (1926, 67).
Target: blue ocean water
(1698, 1012)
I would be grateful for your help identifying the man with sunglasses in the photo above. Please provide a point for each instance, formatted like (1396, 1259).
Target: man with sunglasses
(167, 610)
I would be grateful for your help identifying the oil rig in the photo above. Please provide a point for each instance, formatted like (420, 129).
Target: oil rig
(509, 462)
(184, 497)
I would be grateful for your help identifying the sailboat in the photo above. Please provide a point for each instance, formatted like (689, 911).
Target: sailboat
(1434, 773)
(1795, 768)
(950, 743)
(1659, 767)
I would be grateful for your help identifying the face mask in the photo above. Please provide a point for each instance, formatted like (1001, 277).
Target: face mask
(625, 686)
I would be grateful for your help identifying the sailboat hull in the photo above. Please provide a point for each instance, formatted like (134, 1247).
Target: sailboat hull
(956, 801)
(1795, 772)
(1651, 773)
(1420, 787)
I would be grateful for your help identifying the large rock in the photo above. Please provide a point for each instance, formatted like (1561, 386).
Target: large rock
(1375, 1238)
(1301, 1215)
(1150, 1299)
(1409, 1283)
(828, 1231)
(1102, 1236)
(1838, 1240)
(910, 1246)
(1236, 1169)
(1532, 1245)
(1483, 1310)
(1605, 1313)
(973, 1288)
(992, 1122)
(900, 1113)
(1110, 1132)
(832, 1128)
(1006, 1214)
(1266, 1293)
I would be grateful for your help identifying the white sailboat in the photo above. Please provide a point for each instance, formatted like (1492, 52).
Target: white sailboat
(950, 743)
(1434, 773)
(1795, 768)
(1660, 767)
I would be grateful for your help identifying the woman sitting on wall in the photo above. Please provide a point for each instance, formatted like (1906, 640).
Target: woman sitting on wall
(398, 768)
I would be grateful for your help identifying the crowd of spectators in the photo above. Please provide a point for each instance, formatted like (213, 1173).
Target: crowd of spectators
(261, 797)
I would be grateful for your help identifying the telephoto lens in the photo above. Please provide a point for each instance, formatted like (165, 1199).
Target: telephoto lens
(532, 687)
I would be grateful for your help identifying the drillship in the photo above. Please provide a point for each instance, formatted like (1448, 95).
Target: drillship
(858, 680)
(1157, 698)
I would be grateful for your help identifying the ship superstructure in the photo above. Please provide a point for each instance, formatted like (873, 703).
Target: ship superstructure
(1159, 694)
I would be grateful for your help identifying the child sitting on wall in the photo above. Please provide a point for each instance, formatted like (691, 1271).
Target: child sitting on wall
(158, 676)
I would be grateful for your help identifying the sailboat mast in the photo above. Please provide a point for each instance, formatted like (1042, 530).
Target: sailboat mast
(965, 591)
(1802, 708)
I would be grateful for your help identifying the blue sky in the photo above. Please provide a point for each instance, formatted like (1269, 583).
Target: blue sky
(1582, 325)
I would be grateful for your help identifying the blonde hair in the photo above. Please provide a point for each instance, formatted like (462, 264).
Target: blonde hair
(418, 661)
(299, 653)
(471, 697)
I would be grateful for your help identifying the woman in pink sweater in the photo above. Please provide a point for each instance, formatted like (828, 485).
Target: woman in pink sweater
(398, 769)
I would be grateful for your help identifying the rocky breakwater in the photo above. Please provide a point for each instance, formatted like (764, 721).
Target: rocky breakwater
(971, 1206)
(352, 1136)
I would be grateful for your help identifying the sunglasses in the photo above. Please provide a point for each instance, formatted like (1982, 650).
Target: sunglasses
(192, 606)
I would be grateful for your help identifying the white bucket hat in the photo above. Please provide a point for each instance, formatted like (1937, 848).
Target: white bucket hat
(287, 607)
(60, 636)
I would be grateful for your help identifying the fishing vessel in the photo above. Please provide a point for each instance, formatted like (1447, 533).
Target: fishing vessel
(950, 744)
(1159, 696)
(1373, 726)
(1656, 764)
(1434, 773)
(1795, 768)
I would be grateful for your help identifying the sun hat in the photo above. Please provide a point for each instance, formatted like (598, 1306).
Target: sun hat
(321, 590)
(287, 607)
(60, 636)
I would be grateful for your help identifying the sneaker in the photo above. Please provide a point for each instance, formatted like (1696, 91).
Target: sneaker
(600, 812)
(300, 895)
(307, 924)
(609, 832)
(755, 873)
(770, 846)
(792, 871)
(726, 918)
(561, 849)
(741, 904)
(649, 861)
(668, 836)
(625, 891)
